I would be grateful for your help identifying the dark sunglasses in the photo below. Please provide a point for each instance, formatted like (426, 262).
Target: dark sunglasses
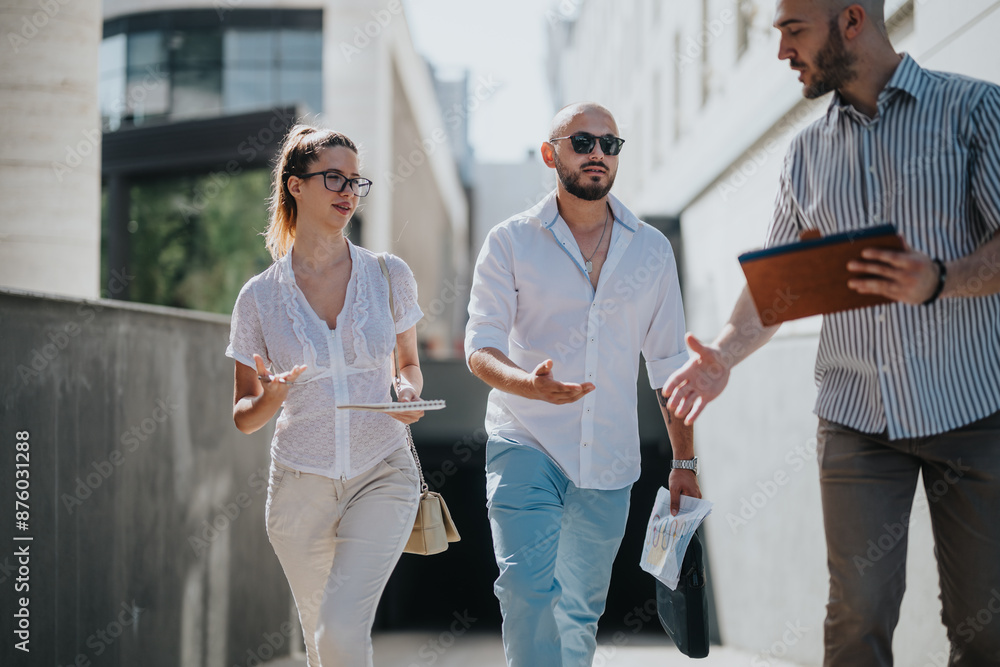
(584, 143)
(336, 182)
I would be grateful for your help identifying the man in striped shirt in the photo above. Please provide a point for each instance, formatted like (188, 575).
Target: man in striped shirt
(906, 388)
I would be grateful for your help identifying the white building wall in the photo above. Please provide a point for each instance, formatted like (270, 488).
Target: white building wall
(504, 189)
(716, 163)
(50, 147)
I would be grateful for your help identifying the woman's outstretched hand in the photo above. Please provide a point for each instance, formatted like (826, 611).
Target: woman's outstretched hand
(276, 386)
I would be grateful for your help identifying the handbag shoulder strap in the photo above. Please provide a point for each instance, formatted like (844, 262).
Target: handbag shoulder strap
(395, 378)
(392, 316)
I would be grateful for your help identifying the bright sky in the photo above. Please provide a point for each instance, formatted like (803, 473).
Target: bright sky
(499, 43)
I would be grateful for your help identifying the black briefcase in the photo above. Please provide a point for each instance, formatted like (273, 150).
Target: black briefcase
(684, 612)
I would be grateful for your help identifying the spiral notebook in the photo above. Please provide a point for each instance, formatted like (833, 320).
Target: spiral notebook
(393, 406)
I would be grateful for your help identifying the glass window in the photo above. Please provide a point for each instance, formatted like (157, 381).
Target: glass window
(148, 95)
(196, 93)
(247, 89)
(180, 73)
(196, 49)
(301, 87)
(299, 48)
(197, 73)
(241, 47)
(146, 49)
(111, 84)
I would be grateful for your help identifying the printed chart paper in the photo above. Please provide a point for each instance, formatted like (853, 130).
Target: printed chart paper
(667, 537)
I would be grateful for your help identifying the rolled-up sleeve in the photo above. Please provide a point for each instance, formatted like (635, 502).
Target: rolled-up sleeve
(786, 221)
(493, 301)
(663, 347)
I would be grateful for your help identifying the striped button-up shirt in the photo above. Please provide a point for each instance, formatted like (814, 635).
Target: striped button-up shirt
(928, 162)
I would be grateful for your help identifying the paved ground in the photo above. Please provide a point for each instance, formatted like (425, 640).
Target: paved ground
(412, 649)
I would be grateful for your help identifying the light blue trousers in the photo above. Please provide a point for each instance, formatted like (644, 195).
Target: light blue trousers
(555, 544)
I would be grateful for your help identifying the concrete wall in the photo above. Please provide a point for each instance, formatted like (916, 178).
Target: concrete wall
(146, 505)
(713, 126)
(50, 146)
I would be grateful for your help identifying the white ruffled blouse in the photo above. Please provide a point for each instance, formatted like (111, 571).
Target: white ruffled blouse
(349, 364)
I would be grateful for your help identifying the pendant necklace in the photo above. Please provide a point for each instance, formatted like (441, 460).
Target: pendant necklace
(590, 265)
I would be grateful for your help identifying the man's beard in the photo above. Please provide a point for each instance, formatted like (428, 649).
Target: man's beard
(834, 65)
(577, 186)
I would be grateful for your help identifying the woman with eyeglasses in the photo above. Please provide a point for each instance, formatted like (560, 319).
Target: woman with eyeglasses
(312, 332)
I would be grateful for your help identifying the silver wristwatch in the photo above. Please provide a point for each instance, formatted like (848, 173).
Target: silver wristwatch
(685, 464)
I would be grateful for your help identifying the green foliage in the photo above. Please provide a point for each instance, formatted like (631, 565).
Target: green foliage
(195, 239)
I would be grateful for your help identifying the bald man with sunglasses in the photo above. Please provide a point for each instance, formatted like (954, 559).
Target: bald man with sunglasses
(574, 288)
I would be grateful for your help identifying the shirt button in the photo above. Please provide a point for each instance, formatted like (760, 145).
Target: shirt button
(584, 444)
(881, 318)
(885, 368)
(871, 169)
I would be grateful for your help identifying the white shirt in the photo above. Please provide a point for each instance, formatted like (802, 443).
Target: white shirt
(349, 364)
(533, 300)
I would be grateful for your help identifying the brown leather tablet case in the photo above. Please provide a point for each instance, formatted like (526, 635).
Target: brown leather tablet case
(810, 277)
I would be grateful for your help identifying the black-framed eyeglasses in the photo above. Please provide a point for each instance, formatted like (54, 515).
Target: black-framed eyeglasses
(584, 142)
(334, 181)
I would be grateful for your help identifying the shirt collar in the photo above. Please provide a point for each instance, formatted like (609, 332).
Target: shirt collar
(909, 78)
(546, 212)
